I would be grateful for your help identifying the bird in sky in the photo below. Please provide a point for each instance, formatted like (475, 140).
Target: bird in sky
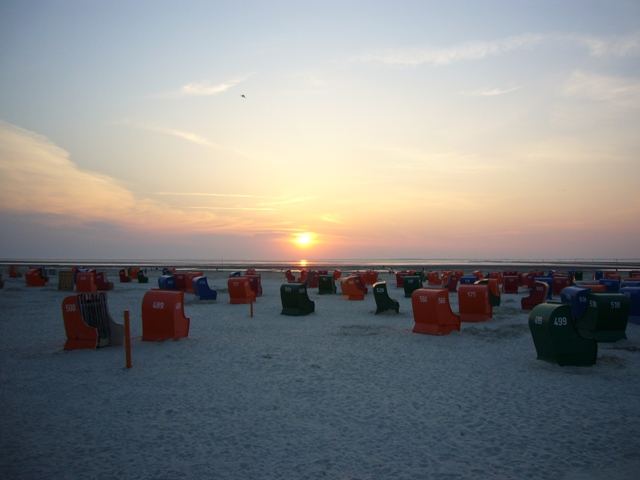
(243, 96)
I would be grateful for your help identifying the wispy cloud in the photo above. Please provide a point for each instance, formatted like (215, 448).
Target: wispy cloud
(618, 46)
(446, 55)
(208, 194)
(604, 88)
(205, 88)
(490, 92)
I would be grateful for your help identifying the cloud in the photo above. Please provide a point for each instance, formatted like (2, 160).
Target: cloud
(205, 88)
(490, 92)
(39, 178)
(621, 91)
(616, 46)
(446, 55)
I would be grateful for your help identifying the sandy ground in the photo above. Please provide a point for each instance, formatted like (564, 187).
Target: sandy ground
(339, 394)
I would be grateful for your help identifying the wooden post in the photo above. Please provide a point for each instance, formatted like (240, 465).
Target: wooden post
(127, 340)
(251, 309)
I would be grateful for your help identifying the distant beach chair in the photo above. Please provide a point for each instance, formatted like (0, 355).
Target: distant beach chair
(606, 317)
(592, 285)
(474, 304)
(633, 293)
(163, 316)
(411, 283)
(65, 280)
(556, 337)
(202, 289)
(291, 278)
(452, 283)
(433, 278)
(353, 288)
(494, 290)
(86, 281)
(141, 277)
(240, 290)
(295, 299)
(35, 277)
(167, 282)
(400, 277)
(559, 283)
(510, 283)
(432, 312)
(468, 280)
(612, 284)
(383, 301)
(124, 276)
(14, 271)
(326, 285)
(537, 295)
(549, 281)
(102, 282)
(87, 322)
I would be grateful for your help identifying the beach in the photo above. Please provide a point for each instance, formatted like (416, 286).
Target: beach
(340, 393)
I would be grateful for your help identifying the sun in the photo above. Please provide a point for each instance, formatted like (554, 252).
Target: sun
(304, 239)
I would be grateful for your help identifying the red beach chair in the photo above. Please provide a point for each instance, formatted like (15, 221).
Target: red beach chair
(353, 288)
(537, 295)
(474, 304)
(36, 277)
(86, 282)
(87, 322)
(240, 290)
(432, 312)
(163, 316)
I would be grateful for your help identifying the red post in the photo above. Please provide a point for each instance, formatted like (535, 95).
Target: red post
(127, 340)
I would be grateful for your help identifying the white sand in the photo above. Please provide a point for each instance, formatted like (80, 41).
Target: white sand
(339, 394)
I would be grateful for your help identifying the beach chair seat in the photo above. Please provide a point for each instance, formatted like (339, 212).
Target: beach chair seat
(35, 277)
(510, 284)
(556, 338)
(86, 282)
(383, 301)
(326, 285)
(202, 289)
(537, 295)
(494, 290)
(87, 322)
(452, 284)
(240, 291)
(163, 316)
(410, 284)
(606, 317)
(474, 304)
(400, 277)
(633, 293)
(124, 276)
(295, 299)
(352, 288)
(291, 278)
(432, 313)
(167, 282)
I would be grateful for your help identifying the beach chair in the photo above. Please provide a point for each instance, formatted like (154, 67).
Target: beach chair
(255, 282)
(163, 316)
(167, 282)
(86, 282)
(168, 270)
(468, 280)
(612, 284)
(132, 272)
(188, 280)
(370, 277)
(606, 317)
(612, 276)
(556, 338)
(291, 278)
(102, 282)
(633, 293)
(594, 287)
(352, 288)
(202, 289)
(452, 283)
(577, 298)
(400, 277)
(559, 283)
(383, 301)
(410, 284)
(326, 285)
(433, 279)
(240, 290)
(629, 283)
(337, 274)
(65, 280)
(510, 284)
(537, 295)
(432, 313)
(87, 322)
(35, 277)
(311, 278)
(141, 277)
(295, 300)
(494, 290)
(474, 304)
(124, 276)
(14, 271)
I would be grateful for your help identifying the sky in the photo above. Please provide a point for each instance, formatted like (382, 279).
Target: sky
(277, 130)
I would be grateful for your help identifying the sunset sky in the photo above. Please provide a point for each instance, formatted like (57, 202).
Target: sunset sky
(397, 129)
